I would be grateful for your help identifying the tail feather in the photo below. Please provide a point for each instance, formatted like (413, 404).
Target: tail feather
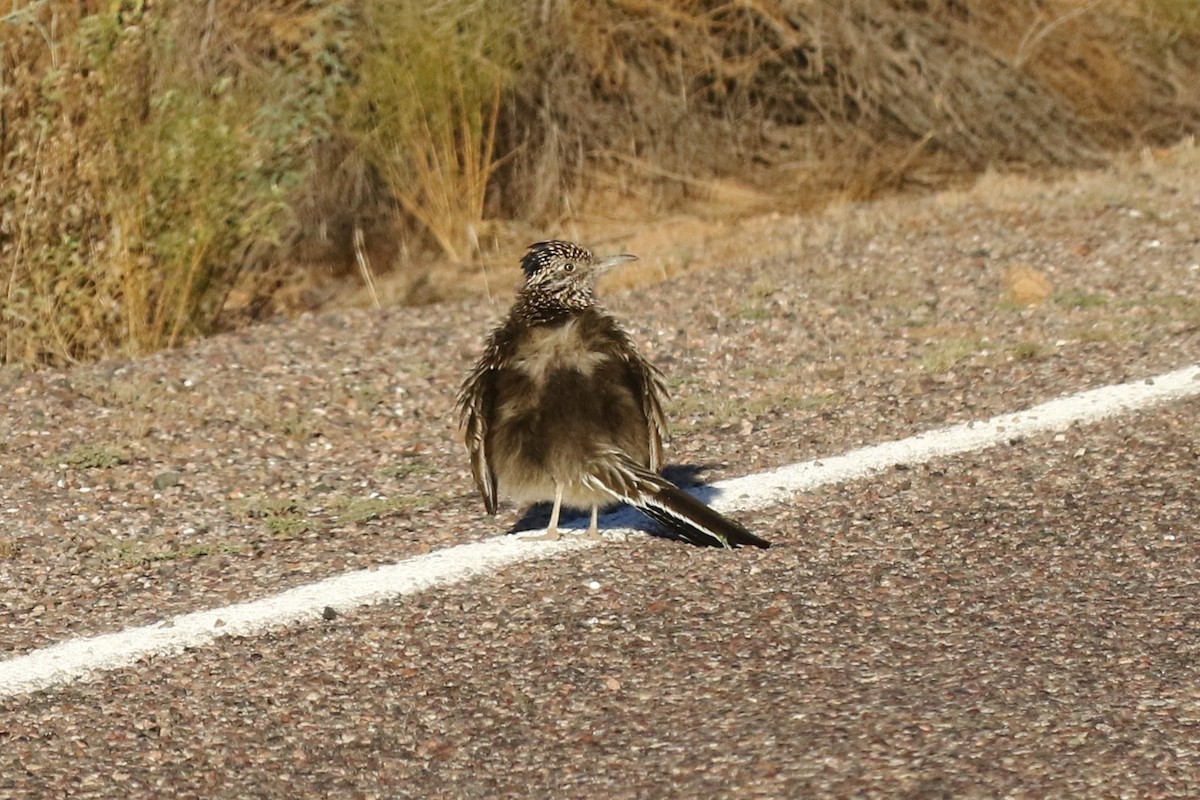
(667, 504)
(688, 516)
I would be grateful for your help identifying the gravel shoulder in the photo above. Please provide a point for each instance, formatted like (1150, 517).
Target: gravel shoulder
(134, 490)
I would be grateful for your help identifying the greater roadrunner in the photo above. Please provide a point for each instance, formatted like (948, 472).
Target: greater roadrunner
(562, 407)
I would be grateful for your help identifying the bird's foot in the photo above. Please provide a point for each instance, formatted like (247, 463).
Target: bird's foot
(592, 534)
(551, 535)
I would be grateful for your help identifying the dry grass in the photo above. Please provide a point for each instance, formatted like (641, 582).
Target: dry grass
(168, 167)
(148, 176)
(425, 108)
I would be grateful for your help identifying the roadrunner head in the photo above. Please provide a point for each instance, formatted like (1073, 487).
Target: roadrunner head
(564, 273)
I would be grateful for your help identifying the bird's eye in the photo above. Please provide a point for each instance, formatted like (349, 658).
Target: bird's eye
(568, 267)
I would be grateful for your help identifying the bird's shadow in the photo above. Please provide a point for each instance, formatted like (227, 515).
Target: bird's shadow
(685, 476)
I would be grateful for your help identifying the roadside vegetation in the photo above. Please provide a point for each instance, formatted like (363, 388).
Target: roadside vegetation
(168, 169)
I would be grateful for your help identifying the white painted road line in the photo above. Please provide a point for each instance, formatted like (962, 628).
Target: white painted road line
(83, 659)
(778, 485)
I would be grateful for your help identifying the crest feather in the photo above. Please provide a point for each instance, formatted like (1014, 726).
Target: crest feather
(541, 254)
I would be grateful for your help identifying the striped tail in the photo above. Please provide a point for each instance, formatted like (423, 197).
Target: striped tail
(670, 506)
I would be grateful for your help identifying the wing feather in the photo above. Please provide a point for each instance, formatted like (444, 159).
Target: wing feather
(476, 402)
(650, 388)
(653, 390)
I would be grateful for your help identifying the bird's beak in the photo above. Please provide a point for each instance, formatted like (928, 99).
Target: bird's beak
(609, 262)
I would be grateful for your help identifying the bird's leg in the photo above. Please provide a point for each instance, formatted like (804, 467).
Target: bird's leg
(593, 531)
(551, 534)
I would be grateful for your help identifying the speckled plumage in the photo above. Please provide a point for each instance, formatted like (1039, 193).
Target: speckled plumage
(550, 291)
(562, 407)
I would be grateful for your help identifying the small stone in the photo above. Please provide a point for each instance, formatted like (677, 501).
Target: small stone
(329, 613)
(1027, 286)
(165, 480)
